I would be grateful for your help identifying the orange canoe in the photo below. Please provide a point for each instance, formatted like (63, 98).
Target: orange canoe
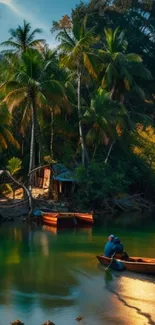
(134, 264)
(67, 219)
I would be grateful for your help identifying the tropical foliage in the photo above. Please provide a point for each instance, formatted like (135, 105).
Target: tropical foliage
(6, 137)
(89, 103)
(14, 165)
(22, 39)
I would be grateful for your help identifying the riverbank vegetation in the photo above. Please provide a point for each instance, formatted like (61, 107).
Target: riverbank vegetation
(89, 103)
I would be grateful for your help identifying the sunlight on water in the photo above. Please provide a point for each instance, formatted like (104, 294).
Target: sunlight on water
(50, 274)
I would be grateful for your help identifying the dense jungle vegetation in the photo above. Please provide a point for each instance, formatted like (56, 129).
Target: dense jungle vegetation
(89, 104)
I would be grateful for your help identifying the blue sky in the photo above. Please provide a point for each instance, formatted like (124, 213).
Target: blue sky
(40, 13)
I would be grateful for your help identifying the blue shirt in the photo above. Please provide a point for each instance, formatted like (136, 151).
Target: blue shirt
(118, 248)
(109, 248)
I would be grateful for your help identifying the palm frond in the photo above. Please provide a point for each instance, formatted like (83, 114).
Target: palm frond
(91, 136)
(138, 90)
(10, 43)
(89, 64)
(5, 116)
(134, 57)
(77, 30)
(139, 70)
(122, 42)
(64, 37)
(11, 138)
(3, 143)
(53, 86)
(14, 98)
(88, 40)
(109, 38)
(108, 77)
(37, 43)
(105, 56)
(32, 35)
(14, 165)
(41, 100)
(83, 27)
(126, 76)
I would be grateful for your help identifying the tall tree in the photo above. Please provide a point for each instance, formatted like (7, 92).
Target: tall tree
(121, 71)
(107, 120)
(22, 38)
(76, 54)
(28, 87)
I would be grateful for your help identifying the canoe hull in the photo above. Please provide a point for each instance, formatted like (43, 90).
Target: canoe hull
(136, 264)
(64, 219)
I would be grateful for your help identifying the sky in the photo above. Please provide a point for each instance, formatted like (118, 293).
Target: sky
(40, 13)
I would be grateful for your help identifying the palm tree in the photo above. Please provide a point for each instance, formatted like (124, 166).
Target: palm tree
(105, 117)
(57, 104)
(22, 38)
(120, 69)
(28, 87)
(77, 55)
(6, 137)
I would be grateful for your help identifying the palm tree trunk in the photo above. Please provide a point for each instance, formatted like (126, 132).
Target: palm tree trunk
(32, 139)
(112, 92)
(94, 152)
(109, 151)
(39, 156)
(52, 134)
(122, 99)
(22, 145)
(96, 146)
(84, 153)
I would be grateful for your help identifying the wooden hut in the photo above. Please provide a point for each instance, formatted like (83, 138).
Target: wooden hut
(56, 178)
(63, 181)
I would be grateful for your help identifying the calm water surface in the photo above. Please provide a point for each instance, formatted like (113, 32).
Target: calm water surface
(49, 275)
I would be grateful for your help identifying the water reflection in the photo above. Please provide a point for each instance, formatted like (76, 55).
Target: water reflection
(53, 230)
(44, 244)
(131, 293)
(47, 274)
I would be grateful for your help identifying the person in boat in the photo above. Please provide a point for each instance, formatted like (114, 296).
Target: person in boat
(113, 245)
(109, 247)
(118, 247)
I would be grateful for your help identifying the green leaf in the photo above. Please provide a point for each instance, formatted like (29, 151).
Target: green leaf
(14, 165)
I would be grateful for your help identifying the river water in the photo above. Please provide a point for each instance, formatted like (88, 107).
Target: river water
(45, 274)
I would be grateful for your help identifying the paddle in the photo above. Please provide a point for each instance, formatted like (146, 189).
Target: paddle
(112, 259)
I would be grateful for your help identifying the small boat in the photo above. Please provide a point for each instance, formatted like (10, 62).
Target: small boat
(133, 264)
(67, 219)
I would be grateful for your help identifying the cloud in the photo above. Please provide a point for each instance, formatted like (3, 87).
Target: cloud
(23, 13)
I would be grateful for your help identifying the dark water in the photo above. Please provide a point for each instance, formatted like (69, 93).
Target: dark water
(49, 275)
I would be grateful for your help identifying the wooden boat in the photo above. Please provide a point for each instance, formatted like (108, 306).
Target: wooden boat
(67, 219)
(134, 264)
